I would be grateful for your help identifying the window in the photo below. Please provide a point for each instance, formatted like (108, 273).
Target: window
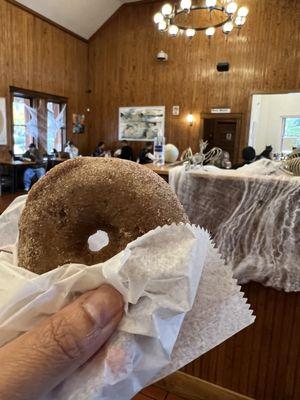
(290, 133)
(21, 117)
(56, 126)
(38, 118)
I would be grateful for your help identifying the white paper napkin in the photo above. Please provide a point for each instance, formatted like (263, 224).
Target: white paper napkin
(170, 318)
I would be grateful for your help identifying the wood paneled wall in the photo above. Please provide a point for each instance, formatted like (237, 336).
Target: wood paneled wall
(262, 361)
(37, 56)
(123, 71)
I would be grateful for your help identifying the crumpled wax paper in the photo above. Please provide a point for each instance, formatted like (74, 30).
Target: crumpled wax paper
(181, 301)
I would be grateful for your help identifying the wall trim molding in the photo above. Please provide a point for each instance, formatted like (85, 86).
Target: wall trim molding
(193, 388)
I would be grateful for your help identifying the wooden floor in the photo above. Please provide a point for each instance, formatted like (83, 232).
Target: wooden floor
(6, 199)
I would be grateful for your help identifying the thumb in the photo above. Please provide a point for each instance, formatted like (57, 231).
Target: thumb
(40, 359)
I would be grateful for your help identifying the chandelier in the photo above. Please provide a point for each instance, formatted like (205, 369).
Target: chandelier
(225, 14)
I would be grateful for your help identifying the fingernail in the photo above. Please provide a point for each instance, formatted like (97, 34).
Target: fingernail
(103, 304)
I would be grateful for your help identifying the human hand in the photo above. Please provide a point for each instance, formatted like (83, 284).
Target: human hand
(40, 359)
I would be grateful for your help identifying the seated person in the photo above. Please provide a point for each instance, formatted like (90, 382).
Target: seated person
(249, 156)
(125, 152)
(71, 149)
(100, 151)
(267, 153)
(146, 156)
(36, 170)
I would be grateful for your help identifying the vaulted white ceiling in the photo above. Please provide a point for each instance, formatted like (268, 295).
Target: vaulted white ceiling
(83, 17)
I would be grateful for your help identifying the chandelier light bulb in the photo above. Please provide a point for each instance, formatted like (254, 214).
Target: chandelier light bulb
(167, 10)
(186, 5)
(158, 17)
(190, 32)
(231, 7)
(211, 3)
(240, 21)
(243, 12)
(227, 28)
(173, 30)
(210, 31)
(162, 26)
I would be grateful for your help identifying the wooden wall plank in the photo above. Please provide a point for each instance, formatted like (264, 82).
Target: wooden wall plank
(37, 56)
(123, 70)
(263, 360)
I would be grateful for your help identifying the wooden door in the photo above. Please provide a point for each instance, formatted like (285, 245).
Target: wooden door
(222, 131)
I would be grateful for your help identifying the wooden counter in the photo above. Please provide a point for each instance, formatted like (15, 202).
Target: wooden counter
(164, 170)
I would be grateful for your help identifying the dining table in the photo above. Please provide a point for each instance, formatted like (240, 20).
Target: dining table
(15, 167)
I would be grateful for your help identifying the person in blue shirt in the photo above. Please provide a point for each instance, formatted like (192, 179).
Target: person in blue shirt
(37, 170)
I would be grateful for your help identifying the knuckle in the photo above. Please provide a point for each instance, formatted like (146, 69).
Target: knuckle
(65, 339)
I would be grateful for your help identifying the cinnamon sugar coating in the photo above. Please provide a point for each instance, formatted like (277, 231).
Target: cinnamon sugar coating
(86, 194)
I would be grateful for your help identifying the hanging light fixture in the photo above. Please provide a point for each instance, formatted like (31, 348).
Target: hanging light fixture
(210, 31)
(227, 28)
(173, 30)
(231, 7)
(233, 17)
(211, 3)
(190, 32)
(158, 17)
(186, 5)
(162, 26)
(167, 10)
(243, 12)
(240, 21)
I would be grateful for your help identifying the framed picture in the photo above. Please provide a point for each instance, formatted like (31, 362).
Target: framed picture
(78, 123)
(3, 128)
(141, 123)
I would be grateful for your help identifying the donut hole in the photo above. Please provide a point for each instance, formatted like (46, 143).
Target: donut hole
(97, 241)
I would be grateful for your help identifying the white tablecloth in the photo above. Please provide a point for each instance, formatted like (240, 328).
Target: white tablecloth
(255, 221)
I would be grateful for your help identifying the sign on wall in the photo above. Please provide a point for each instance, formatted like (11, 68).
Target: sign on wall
(220, 110)
(141, 123)
(3, 128)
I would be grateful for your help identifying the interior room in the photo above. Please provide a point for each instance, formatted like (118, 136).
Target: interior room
(150, 199)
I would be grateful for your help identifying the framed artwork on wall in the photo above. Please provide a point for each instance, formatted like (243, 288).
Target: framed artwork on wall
(3, 127)
(141, 123)
(78, 123)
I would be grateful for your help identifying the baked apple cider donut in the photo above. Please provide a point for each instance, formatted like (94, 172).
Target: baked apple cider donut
(81, 196)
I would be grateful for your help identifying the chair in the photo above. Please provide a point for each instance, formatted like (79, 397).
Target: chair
(5, 178)
(64, 155)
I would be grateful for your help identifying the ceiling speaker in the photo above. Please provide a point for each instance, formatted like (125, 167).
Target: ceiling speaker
(223, 67)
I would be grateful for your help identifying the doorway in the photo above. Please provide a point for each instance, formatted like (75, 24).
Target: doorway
(222, 130)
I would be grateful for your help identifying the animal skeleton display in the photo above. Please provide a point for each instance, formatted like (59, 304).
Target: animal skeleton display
(190, 160)
(292, 163)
